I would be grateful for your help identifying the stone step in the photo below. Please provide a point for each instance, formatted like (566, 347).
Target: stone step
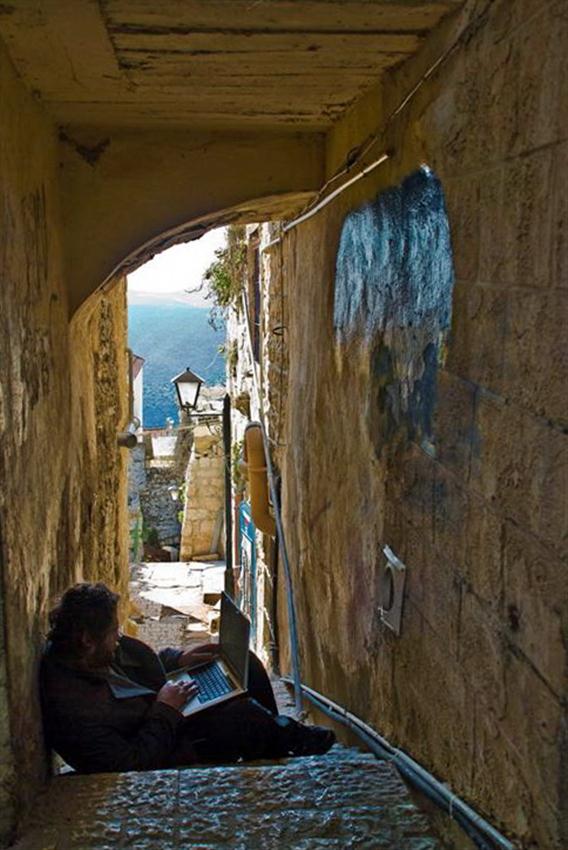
(345, 799)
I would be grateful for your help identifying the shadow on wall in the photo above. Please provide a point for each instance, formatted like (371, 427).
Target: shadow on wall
(393, 287)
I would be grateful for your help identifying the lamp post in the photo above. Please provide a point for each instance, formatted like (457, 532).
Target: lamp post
(187, 386)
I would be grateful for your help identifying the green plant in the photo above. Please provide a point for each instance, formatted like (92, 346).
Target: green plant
(230, 351)
(237, 473)
(225, 277)
(136, 534)
(150, 536)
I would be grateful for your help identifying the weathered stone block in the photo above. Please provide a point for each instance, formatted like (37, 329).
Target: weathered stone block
(479, 330)
(483, 560)
(449, 516)
(497, 104)
(449, 118)
(536, 354)
(536, 587)
(559, 215)
(491, 257)
(439, 604)
(525, 222)
(481, 637)
(439, 681)
(414, 484)
(522, 466)
(532, 724)
(463, 207)
(454, 423)
(542, 74)
(495, 775)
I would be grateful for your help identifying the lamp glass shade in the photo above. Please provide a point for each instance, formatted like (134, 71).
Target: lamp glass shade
(187, 385)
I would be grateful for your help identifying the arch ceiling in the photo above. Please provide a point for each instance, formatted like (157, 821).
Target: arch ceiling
(184, 114)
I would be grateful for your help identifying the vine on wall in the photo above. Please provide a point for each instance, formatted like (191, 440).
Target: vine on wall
(226, 276)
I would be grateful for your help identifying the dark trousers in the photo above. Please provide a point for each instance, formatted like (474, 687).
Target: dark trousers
(246, 727)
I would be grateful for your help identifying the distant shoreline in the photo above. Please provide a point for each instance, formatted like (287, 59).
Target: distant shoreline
(152, 299)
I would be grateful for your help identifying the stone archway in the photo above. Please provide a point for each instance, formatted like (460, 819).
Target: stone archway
(128, 195)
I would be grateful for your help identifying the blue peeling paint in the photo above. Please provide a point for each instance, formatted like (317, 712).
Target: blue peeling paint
(393, 287)
(394, 262)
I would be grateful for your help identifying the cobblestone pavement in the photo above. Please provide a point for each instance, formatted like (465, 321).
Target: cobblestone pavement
(345, 799)
(169, 597)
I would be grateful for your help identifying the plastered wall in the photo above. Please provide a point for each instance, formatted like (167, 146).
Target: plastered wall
(475, 686)
(61, 497)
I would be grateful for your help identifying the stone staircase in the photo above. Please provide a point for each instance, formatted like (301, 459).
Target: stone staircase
(345, 799)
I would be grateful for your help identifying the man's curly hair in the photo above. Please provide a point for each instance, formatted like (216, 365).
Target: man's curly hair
(82, 608)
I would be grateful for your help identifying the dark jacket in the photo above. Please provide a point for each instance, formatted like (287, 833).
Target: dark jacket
(95, 727)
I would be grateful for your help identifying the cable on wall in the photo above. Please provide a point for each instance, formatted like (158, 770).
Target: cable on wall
(481, 832)
(311, 211)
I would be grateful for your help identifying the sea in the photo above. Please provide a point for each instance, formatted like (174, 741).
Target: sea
(171, 337)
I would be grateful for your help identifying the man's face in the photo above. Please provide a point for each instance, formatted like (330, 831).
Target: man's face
(101, 650)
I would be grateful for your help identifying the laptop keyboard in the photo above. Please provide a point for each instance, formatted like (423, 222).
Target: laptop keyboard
(212, 683)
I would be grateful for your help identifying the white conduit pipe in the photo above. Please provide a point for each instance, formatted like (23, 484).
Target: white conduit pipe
(327, 200)
(294, 652)
(440, 793)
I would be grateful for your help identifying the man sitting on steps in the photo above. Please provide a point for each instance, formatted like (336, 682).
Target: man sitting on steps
(108, 707)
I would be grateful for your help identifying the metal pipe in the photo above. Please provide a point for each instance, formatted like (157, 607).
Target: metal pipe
(328, 199)
(229, 577)
(274, 645)
(484, 835)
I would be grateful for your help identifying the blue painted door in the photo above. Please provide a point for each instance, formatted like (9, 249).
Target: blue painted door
(247, 545)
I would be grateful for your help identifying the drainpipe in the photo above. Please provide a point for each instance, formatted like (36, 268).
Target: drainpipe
(229, 576)
(275, 642)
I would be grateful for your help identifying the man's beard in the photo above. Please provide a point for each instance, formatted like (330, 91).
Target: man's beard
(102, 657)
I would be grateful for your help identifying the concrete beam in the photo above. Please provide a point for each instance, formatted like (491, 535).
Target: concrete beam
(129, 194)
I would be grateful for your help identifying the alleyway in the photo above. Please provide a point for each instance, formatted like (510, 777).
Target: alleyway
(344, 799)
(395, 288)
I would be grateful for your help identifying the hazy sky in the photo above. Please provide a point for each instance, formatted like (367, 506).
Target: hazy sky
(179, 268)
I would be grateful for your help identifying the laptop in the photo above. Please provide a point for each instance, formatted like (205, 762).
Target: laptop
(227, 676)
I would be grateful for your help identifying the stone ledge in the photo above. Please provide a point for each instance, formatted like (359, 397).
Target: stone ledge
(345, 799)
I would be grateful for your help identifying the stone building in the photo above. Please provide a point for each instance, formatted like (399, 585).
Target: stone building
(162, 472)
(202, 526)
(424, 406)
(256, 558)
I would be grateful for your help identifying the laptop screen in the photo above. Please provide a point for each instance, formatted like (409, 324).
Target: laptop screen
(234, 634)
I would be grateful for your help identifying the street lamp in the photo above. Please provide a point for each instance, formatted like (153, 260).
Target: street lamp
(187, 386)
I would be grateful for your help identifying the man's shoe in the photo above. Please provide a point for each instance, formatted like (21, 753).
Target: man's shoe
(313, 741)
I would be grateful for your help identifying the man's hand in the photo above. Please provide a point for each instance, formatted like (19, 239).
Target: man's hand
(176, 694)
(200, 655)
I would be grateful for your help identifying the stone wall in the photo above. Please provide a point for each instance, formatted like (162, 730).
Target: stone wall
(471, 495)
(275, 324)
(204, 498)
(97, 491)
(62, 494)
(136, 482)
(159, 510)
